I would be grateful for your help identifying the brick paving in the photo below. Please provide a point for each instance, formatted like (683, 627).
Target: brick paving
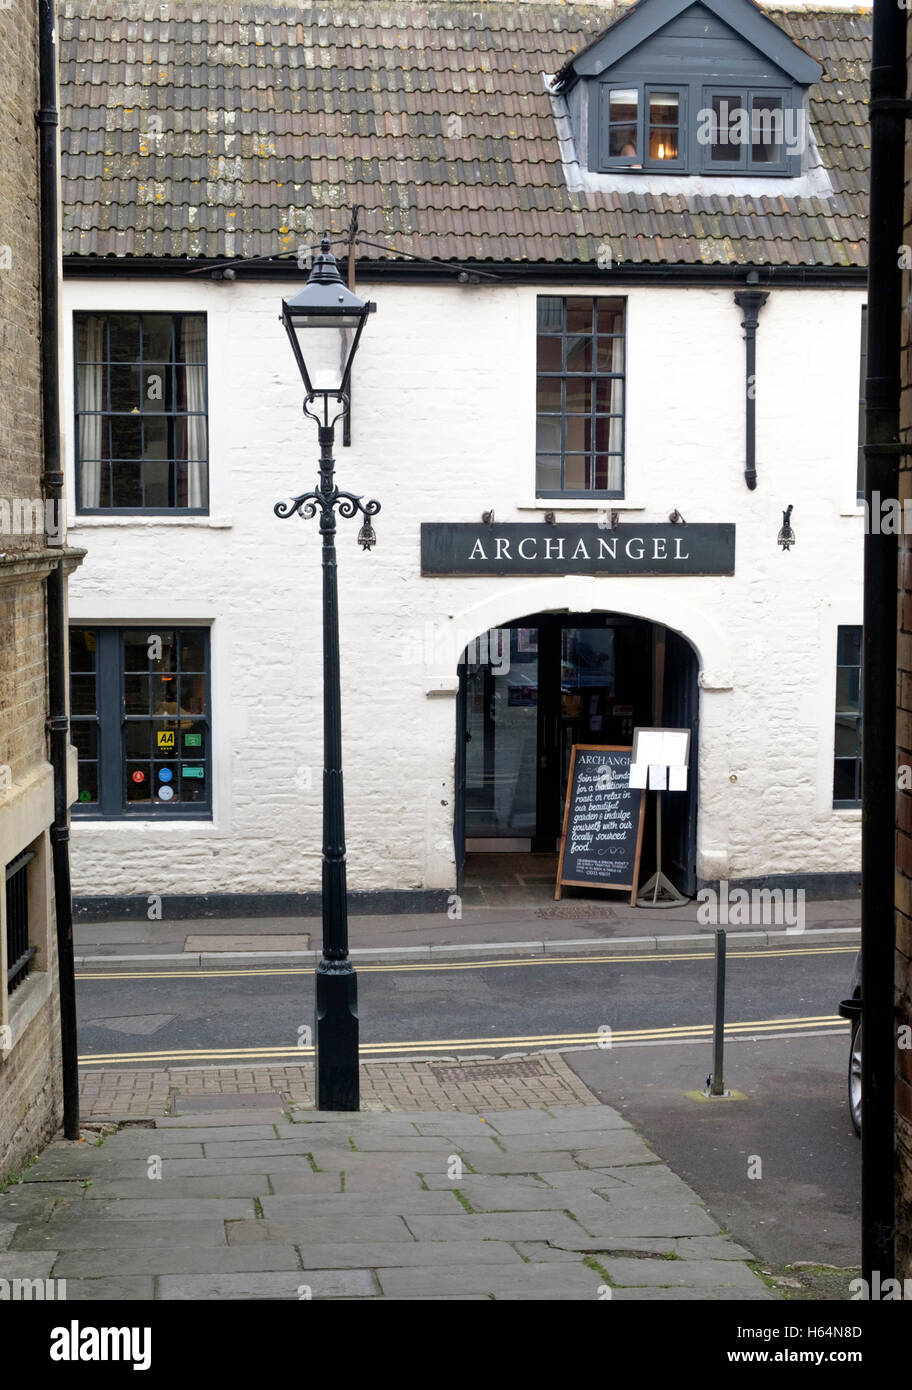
(470, 1086)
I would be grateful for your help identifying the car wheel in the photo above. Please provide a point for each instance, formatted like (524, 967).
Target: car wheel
(855, 1076)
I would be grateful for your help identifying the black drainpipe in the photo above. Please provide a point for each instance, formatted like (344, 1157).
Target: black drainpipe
(751, 301)
(57, 722)
(888, 110)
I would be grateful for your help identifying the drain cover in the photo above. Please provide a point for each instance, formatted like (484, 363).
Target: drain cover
(499, 1071)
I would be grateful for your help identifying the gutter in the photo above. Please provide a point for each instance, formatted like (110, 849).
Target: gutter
(730, 274)
(888, 111)
(52, 480)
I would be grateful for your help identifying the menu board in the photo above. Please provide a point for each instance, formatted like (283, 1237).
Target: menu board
(603, 821)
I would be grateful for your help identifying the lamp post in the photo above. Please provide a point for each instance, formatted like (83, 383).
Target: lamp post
(324, 322)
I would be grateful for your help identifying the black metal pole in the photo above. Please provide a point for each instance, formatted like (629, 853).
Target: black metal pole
(336, 1031)
(52, 478)
(882, 392)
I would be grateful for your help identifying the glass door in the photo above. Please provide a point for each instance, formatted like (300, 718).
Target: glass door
(501, 730)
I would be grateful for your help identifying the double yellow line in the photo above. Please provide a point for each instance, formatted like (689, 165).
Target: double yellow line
(516, 962)
(629, 1037)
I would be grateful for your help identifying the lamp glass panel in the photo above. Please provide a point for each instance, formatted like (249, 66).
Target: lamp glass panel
(325, 343)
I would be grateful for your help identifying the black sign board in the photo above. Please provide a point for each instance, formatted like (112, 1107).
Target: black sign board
(587, 548)
(603, 821)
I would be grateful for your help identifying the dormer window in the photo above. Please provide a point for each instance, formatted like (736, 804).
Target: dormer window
(713, 87)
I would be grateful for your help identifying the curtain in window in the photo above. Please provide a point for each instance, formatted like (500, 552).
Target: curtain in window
(91, 398)
(616, 425)
(193, 345)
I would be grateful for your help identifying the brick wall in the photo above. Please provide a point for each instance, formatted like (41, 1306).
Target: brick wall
(903, 972)
(20, 379)
(30, 1089)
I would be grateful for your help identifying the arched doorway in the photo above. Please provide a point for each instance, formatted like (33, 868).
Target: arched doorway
(530, 690)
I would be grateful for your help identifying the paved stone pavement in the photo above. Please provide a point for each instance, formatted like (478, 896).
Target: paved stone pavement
(239, 1194)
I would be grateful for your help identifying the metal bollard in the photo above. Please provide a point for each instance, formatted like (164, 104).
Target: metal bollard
(718, 1085)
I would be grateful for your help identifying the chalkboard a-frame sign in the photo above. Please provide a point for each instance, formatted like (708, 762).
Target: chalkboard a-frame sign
(603, 821)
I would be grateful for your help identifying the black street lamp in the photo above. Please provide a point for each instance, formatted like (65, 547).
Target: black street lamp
(324, 323)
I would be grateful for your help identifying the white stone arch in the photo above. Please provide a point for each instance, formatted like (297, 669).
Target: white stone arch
(637, 598)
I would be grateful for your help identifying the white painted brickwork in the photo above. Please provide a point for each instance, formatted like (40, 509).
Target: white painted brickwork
(443, 428)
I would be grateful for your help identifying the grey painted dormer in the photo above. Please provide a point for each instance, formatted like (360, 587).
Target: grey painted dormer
(676, 87)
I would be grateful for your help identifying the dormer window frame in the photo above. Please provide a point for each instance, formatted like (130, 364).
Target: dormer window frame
(790, 98)
(694, 97)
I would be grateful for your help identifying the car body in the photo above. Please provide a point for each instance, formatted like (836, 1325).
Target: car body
(851, 1008)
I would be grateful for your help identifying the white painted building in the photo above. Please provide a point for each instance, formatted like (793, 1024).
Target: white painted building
(760, 662)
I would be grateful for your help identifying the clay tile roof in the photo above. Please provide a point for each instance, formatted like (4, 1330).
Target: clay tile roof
(217, 130)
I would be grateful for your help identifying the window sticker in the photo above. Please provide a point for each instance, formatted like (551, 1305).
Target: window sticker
(165, 738)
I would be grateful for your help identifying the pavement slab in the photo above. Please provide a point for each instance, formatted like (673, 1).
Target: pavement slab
(548, 1202)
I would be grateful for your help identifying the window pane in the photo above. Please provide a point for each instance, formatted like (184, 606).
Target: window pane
(548, 473)
(92, 388)
(766, 129)
(136, 651)
(580, 316)
(610, 355)
(164, 694)
(155, 439)
(126, 437)
(578, 434)
(548, 434)
(610, 316)
(579, 354)
(193, 742)
(193, 782)
(156, 337)
(192, 650)
(137, 781)
(82, 694)
(123, 332)
(193, 695)
(82, 649)
(84, 737)
(608, 435)
(622, 119)
(127, 481)
(846, 737)
(548, 393)
(549, 312)
(136, 694)
(165, 784)
(579, 395)
(848, 646)
(663, 125)
(727, 119)
(844, 780)
(848, 681)
(549, 355)
(191, 340)
(158, 483)
(576, 472)
(126, 392)
(166, 745)
(609, 395)
(138, 738)
(155, 389)
(88, 781)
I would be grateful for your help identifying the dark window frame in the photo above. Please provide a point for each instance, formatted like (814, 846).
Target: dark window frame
(846, 716)
(592, 375)
(171, 416)
(694, 95)
(745, 163)
(111, 719)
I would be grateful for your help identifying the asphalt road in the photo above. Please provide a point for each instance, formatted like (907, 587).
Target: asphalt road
(129, 1015)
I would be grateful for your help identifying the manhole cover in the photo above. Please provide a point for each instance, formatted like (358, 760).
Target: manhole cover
(500, 1071)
